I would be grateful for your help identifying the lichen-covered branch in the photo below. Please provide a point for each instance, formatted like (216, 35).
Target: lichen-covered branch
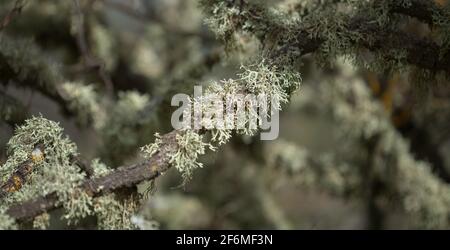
(22, 63)
(126, 176)
(344, 34)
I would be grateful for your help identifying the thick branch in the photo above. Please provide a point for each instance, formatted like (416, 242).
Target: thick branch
(126, 176)
(423, 53)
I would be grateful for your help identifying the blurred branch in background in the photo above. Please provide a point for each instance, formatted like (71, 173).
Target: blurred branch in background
(90, 61)
(15, 11)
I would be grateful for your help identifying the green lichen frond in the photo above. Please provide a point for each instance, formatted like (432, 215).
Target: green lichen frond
(113, 214)
(100, 168)
(182, 151)
(221, 17)
(231, 20)
(77, 204)
(150, 149)
(277, 84)
(190, 145)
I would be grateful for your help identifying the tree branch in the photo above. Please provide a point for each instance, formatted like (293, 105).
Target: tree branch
(423, 53)
(126, 176)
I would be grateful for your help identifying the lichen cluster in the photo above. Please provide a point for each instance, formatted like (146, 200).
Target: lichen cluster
(113, 214)
(276, 84)
(57, 173)
(190, 145)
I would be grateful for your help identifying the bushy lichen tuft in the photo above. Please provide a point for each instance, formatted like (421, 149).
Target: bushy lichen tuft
(41, 221)
(100, 168)
(113, 214)
(78, 205)
(317, 172)
(190, 147)
(150, 149)
(55, 174)
(276, 83)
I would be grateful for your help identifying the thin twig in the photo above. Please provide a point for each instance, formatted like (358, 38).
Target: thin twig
(90, 61)
(15, 11)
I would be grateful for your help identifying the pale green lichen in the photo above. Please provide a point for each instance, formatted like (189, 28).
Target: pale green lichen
(190, 146)
(317, 172)
(28, 63)
(278, 84)
(55, 174)
(100, 168)
(260, 79)
(78, 205)
(221, 19)
(113, 214)
(41, 221)
(150, 149)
